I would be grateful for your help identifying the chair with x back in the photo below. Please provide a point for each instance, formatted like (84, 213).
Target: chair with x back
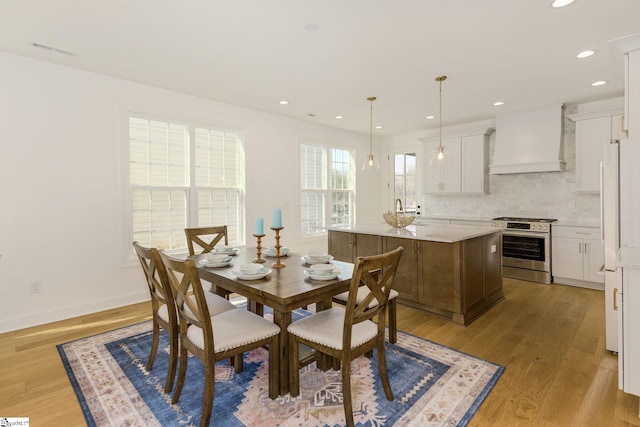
(218, 337)
(163, 308)
(345, 333)
(392, 309)
(206, 238)
(202, 240)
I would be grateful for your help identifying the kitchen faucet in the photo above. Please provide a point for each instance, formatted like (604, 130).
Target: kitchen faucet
(398, 201)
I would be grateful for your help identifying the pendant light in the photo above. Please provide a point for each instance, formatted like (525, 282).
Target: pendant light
(440, 155)
(371, 163)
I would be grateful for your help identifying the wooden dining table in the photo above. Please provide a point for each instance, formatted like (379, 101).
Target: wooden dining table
(283, 290)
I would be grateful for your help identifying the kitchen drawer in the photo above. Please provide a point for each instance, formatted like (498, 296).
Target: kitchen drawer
(576, 232)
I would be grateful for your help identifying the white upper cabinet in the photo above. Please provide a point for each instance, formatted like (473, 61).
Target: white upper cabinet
(443, 177)
(591, 136)
(597, 124)
(475, 164)
(466, 169)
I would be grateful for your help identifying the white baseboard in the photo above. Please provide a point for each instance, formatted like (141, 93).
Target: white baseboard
(579, 283)
(9, 324)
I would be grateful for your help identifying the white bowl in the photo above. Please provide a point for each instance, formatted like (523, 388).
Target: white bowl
(213, 259)
(224, 249)
(250, 269)
(322, 269)
(283, 250)
(316, 256)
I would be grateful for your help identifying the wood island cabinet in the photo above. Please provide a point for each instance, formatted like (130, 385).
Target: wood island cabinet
(347, 246)
(459, 280)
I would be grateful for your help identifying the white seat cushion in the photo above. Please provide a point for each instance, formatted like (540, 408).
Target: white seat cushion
(326, 327)
(163, 313)
(215, 303)
(234, 328)
(363, 291)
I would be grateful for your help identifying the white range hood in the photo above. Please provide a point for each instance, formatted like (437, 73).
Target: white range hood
(529, 141)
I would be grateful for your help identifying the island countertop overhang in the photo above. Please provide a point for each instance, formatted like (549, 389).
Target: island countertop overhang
(445, 233)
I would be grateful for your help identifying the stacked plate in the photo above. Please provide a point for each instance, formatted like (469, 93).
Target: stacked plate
(251, 272)
(317, 258)
(271, 252)
(322, 271)
(214, 260)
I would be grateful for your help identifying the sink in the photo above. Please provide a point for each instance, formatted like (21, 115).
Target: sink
(398, 220)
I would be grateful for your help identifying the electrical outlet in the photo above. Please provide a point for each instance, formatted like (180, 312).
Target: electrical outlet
(35, 287)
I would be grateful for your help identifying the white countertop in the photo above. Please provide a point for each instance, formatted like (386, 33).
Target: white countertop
(628, 258)
(434, 232)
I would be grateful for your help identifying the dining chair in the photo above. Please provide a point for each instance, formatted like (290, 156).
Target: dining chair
(345, 333)
(214, 338)
(363, 291)
(162, 307)
(206, 238)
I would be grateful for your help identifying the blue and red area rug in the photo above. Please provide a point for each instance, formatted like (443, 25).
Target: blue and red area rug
(433, 385)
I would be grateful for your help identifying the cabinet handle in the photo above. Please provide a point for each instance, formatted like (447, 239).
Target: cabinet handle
(586, 248)
(580, 247)
(615, 299)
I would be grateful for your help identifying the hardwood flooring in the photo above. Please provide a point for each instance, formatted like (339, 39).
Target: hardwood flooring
(550, 338)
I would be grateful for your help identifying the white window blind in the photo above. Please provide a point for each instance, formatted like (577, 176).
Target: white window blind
(327, 188)
(182, 175)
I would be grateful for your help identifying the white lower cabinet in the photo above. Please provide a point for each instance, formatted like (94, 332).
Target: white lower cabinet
(628, 304)
(577, 256)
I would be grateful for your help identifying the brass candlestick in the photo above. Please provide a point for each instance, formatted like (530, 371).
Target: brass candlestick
(259, 258)
(278, 264)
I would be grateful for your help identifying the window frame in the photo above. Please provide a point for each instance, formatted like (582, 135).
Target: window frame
(129, 257)
(326, 190)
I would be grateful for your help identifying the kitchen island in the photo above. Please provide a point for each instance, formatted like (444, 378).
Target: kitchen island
(450, 270)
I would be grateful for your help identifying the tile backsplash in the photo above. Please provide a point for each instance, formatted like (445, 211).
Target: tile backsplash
(543, 195)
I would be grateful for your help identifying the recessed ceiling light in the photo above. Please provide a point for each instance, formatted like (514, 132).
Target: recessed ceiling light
(561, 3)
(599, 83)
(283, 102)
(431, 117)
(339, 117)
(312, 28)
(585, 54)
(498, 103)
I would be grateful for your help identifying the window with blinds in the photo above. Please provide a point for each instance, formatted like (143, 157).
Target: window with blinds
(326, 188)
(182, 175)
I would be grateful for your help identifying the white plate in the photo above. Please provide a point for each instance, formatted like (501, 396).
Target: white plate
(273, 254)
(331, 276)
(215, 264)
(262, 273)
(233, 252)
(311, 262)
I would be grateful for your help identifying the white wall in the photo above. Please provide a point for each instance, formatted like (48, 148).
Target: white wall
(60, 168)
(543, 195)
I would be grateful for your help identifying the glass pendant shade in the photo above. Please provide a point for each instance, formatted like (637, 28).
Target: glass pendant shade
(371, 163)
(439, 156)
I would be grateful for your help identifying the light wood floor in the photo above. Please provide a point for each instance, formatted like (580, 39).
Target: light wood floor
(550, 338)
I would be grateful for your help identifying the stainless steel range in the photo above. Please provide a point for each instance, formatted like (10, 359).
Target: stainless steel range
(526, 248)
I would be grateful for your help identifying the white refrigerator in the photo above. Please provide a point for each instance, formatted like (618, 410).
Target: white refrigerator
(616, 227)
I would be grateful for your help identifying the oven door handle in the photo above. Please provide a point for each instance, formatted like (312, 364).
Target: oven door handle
(524, 234)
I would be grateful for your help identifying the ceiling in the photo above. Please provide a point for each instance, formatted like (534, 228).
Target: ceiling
(326, 57)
